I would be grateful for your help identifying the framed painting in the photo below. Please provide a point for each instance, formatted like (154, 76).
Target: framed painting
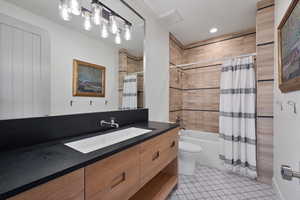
(88, 79)
(289, 49)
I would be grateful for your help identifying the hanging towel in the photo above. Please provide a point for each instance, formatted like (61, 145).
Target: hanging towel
(237, 116)
(129, 100)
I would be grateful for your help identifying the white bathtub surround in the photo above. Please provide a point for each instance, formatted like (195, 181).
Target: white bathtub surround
(188, 154)
(210, 144)
(237, 116)
(130, 92)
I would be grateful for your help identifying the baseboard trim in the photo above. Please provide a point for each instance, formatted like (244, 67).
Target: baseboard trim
(276, 189)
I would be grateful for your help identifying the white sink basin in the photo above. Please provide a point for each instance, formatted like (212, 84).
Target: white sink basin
(97, 142)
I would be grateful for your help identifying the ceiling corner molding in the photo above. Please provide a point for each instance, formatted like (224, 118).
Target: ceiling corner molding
(173, 38)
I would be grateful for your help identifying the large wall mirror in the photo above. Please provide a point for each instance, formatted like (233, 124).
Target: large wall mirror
(53, 51)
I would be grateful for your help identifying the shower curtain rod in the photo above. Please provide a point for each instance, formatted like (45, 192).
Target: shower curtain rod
(213, 60)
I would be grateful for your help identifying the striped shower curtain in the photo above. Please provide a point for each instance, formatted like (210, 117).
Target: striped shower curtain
(237, 116)
(129, 100)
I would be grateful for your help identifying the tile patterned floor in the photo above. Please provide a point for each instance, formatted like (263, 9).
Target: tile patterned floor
(213, 184)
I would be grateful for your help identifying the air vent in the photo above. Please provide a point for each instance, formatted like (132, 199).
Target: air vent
(170, 18)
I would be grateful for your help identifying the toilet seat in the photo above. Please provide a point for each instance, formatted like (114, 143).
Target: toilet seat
(189, 147)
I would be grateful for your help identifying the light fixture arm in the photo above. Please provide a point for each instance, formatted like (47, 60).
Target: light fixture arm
(111, 11)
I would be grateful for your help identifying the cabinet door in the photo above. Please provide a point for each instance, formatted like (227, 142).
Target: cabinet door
(68, 187)
(157, 153)
(113, 178)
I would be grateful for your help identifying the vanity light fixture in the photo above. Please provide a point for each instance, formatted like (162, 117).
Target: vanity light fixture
(75, 7)
(127, 33)
(100, 15)
(213, 30)
(87, 19)
(96, 14)
(113, 24)
(104, 30)
(118, 39)
(64, 10)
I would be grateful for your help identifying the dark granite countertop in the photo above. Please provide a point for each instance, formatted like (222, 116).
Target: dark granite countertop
(25, 168)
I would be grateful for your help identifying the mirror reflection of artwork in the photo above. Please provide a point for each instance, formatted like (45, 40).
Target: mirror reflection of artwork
(289, 51)
(88, 79)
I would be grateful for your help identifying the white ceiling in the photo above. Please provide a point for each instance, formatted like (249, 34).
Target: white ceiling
(49, 9)
(199, 16)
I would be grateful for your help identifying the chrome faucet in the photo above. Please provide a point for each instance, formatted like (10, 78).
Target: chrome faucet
(112, 123)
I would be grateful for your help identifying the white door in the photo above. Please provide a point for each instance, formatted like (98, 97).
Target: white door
(24, 70)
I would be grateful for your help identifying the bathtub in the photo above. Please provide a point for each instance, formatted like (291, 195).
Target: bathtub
(210, 144)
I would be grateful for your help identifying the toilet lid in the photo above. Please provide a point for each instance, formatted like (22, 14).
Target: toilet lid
(189, 147)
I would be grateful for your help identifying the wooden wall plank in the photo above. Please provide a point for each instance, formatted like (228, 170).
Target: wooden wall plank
(175, 53)
(201, 99)
(201, 120)
(265, 149)
(265, 62)
(175, 78)
(175, 115)
(265, 71)
(265, 25)
(221, 38)
(207, 77)
(265, 98)
(227, 48)
(175, 99)
(264, 3)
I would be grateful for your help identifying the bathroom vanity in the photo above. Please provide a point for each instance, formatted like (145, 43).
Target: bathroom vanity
(139, 168)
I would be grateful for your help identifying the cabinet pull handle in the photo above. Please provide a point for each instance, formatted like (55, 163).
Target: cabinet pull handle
(173, 144)
(156, 155)
(118, 180)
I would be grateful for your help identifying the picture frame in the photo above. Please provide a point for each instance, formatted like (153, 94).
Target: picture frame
(88, 79)
(289, 49)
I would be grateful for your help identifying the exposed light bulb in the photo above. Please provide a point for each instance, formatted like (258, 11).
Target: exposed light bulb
(118, 38)
(127, 33)
(75, 7)
(96, 14)
(104, 30)
(64, 10)
(114, 25)
(87, 21)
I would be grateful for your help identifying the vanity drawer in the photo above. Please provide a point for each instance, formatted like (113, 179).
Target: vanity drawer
(68, 187)
(157, 153)
(169, 147)
(113, 178)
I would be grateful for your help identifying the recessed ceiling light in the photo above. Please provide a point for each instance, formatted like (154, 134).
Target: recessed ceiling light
(213, 30)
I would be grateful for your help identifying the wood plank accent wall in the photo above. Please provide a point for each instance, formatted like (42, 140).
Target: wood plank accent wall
(200, 83)
(130, 64)
(265, 84)
(176, 80)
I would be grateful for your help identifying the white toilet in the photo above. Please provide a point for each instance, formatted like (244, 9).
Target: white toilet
(188, 154)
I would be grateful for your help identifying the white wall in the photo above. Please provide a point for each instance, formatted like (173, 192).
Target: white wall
(286, 127)
(156, 64)
(66, 45)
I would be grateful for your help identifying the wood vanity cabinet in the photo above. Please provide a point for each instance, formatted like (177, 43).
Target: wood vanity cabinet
(68, 187)
(122, 175)
(144, 171)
